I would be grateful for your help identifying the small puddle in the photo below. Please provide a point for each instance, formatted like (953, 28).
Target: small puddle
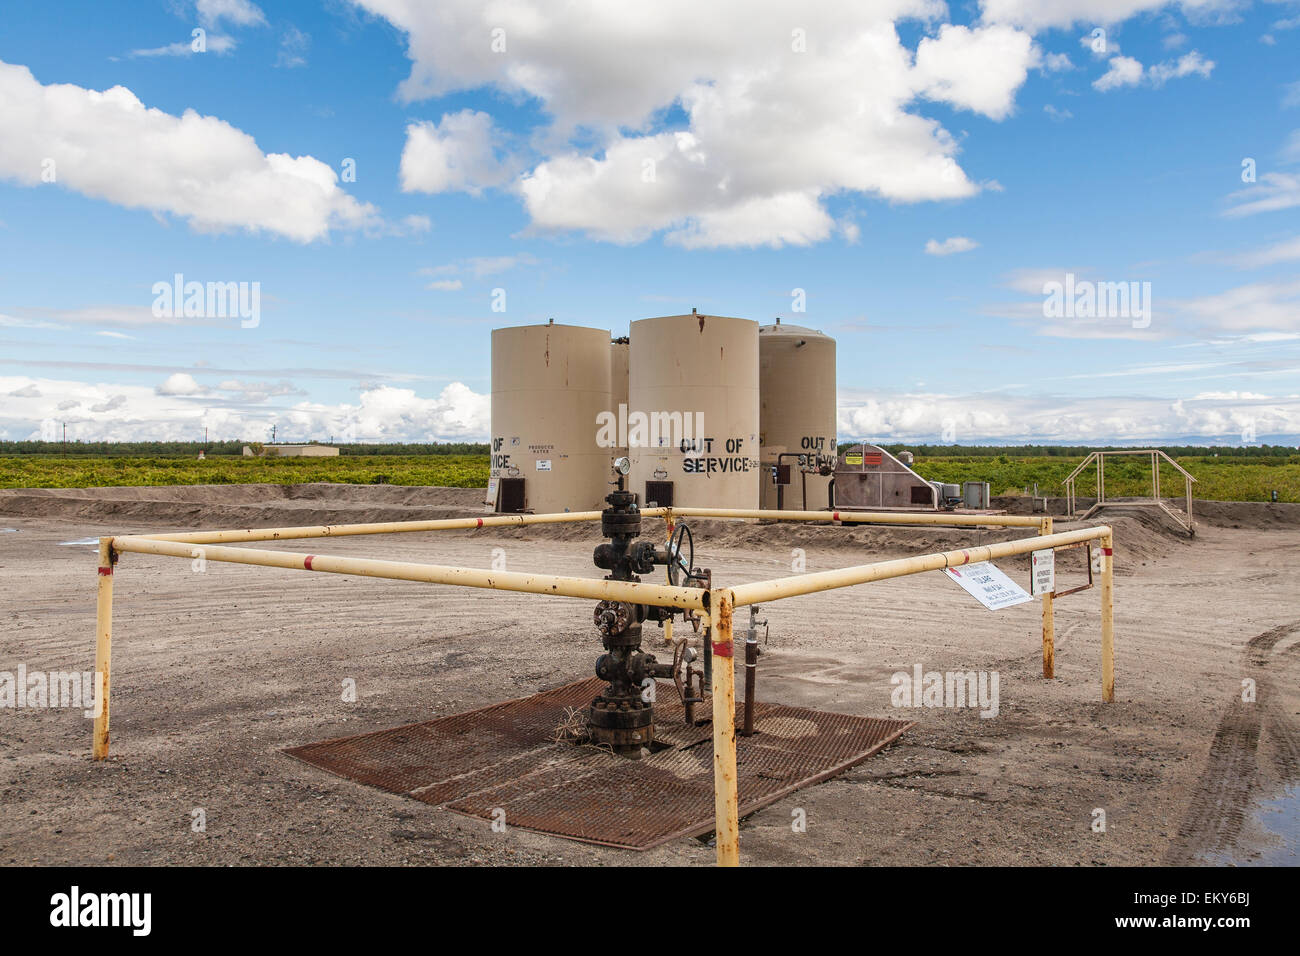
(82, 542)
(8, 530)
(1279, 818)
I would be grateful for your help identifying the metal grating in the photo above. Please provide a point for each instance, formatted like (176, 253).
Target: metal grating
(502, 757)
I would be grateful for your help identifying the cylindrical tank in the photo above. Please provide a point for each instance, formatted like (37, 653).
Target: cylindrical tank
(619, 350)
(797, 414)
(693, 411)
(550, 389)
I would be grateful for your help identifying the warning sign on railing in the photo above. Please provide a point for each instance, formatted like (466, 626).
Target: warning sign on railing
(988, 585)
(1042, 572)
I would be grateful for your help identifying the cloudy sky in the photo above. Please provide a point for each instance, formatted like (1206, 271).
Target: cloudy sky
(941, 187)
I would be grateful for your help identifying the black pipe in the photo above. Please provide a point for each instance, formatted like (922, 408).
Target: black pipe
(751, 678)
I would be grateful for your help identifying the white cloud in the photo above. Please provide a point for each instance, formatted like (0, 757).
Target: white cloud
(1038, 15)
(1134, 312)
(922, 417)
(216, 43)
(1127, 71)
(1291, 149)
(458, 154)
(483, 266)
(23, 322)
(457, 413)
(131, 412)
(122, 316)
(480, 267)
(795, 218)
(445, 285)
(108, 145)
(397, 414)
(979, 69)
(294, 44)
(768, 133)
(181, 383)
(1057, 63)
(1032, 281)
(1260, 306)
(1229, 396)
(1186, 65)
(112, 405)
(1123, 71)
(238, 12)
(414, 225)
(1274, 191)
(1288, 250)
(950, 245)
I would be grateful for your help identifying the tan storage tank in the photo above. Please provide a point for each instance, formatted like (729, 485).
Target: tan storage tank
(693, 392)
(550, 385)
(619, 351)
(797, 416)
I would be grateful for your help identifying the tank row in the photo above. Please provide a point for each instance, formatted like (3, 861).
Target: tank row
(712, 411)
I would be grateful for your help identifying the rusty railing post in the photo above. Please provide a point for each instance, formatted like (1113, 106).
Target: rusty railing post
(1107, 617)
(726, 804)
(1049, 619)
(103, 647)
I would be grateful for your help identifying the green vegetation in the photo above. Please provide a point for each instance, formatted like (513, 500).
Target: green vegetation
(1223, 478)
(74, 471)
(1226, 474)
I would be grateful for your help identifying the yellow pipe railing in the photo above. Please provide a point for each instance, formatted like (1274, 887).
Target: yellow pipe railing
(863, 517)
(596, 589)
(763, 591)
(719, 603)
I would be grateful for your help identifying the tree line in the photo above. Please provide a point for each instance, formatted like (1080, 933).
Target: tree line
(164, 449)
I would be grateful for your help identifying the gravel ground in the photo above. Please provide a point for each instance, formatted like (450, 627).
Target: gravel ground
(216, 672)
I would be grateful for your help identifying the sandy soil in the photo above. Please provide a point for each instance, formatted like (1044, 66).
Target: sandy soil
(215, 673)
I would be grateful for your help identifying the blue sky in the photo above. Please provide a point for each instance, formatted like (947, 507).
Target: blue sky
(920, 171)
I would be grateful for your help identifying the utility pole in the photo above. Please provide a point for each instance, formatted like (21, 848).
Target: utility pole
(272, 434)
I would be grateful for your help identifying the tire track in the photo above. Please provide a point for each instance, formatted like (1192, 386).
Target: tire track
(1224, 793)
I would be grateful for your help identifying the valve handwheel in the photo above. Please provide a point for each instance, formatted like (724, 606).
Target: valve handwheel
(676, 566)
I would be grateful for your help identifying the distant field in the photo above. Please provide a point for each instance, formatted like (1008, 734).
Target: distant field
(1228, 478)
(53, 471)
